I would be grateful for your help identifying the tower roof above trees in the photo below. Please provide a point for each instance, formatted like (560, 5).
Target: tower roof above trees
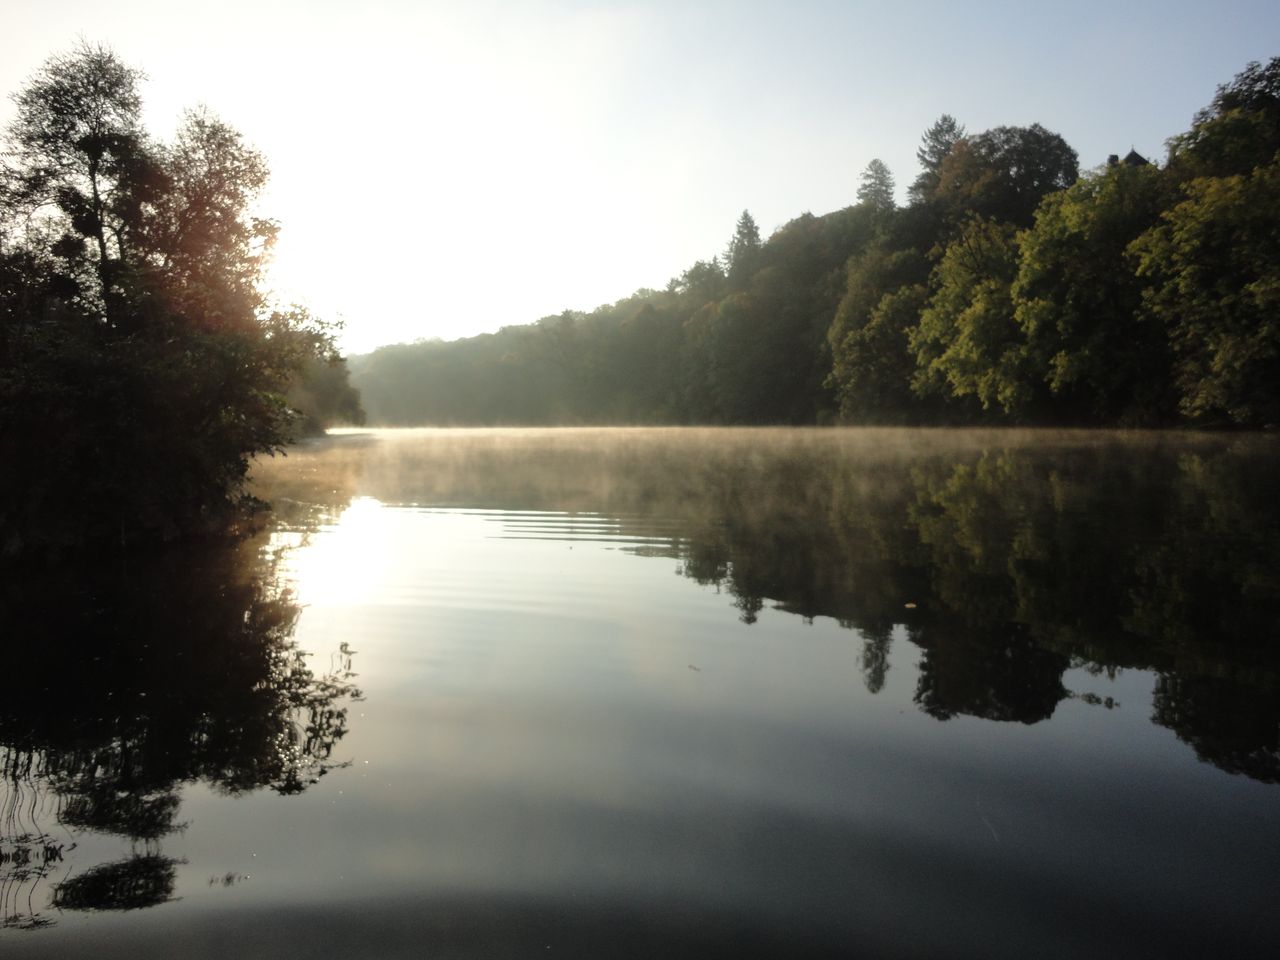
(1131, 159)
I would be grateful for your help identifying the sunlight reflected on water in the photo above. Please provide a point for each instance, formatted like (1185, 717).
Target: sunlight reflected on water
(644, 693)
(344, 566)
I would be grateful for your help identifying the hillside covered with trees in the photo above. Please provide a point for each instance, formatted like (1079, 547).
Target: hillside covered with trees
(1010, 288)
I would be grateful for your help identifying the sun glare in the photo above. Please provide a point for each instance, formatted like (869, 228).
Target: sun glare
(343, 564)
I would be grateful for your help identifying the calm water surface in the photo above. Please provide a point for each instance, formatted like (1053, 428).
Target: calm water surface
(662, 693)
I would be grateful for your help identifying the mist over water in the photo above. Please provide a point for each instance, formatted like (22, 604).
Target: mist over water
(671, 692)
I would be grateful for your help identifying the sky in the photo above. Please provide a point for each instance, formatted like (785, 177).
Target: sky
(441, 170)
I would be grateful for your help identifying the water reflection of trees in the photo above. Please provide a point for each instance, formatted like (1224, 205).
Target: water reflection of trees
(128, 681)
(1005, 558)
(1021, 562)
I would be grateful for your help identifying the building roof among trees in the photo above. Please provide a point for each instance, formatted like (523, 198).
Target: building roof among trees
(1131, 159)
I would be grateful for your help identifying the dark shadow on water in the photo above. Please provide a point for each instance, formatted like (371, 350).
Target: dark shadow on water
(130, 679)
(142, 880)
(1013, 569)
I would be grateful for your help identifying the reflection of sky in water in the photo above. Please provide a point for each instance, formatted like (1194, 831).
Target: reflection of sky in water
(554, 716)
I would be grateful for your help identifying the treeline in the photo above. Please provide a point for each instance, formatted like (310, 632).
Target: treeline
(141, 363)
(1009, 289)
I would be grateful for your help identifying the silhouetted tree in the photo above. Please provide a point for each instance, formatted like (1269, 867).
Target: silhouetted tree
(78, 154)
(140, 355)
(1004, 173)
(876, 187)
(935, 145)
(701, 284)
(1238, 131)
(742, 254)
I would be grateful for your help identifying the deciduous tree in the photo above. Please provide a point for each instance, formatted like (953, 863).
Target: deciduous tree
(1004, 173)
(1212, 269)
(871, 364)
(1238, 131)
(1079, 301)
(143, 367)
(967, 343)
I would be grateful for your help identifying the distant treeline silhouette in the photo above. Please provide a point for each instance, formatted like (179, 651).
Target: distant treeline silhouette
(141, 364)
(1010, 289)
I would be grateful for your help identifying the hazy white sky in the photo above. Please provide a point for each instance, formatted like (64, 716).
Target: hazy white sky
(444, 169)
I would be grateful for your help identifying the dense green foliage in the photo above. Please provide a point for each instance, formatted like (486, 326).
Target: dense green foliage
(1078, 298)
(1213, 265)
(1010, 288)
(141, 365)
(965, 342)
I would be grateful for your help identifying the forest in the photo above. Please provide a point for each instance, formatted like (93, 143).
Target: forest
(142, 362)
(1010, 289)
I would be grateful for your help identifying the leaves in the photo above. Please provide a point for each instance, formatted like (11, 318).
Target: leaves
(1212, 268)
(143, 366)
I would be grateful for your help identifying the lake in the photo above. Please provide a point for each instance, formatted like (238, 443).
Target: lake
(597, 693)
